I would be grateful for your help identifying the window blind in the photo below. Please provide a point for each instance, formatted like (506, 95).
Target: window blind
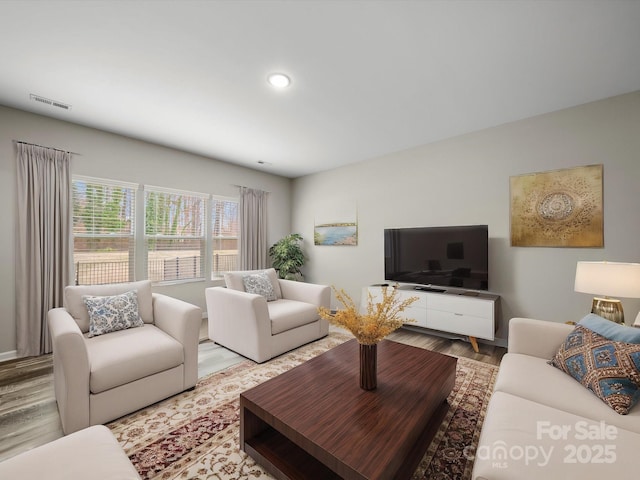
(174, 234)
(103, 231)
(225, 229)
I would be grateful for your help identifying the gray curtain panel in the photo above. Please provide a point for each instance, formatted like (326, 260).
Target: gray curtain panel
(253, 229)
(44, 244)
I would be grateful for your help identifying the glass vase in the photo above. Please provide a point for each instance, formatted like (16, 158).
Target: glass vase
(368, 366)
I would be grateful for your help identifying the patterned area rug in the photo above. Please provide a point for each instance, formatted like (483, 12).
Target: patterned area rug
(195, 435)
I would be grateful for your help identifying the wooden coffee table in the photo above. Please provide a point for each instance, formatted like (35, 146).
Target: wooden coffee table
(315, 422)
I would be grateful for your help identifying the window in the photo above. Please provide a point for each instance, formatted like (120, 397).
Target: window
(225, 228)
(183, 239)
(103, 231)
(174, 234)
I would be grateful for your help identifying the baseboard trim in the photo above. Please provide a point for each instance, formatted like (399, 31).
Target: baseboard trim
(10, 355)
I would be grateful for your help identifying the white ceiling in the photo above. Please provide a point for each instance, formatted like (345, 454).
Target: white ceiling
(369, 77)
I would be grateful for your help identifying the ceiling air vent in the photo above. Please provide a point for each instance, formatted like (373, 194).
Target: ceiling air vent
(46, 101)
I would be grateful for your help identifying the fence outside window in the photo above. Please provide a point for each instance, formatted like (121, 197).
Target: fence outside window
(160, 269)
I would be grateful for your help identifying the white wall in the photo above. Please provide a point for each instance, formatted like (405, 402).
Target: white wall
(465, 180)
(106, 155)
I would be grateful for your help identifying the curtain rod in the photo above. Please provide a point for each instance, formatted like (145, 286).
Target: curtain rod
(42, 146)
(244, 186)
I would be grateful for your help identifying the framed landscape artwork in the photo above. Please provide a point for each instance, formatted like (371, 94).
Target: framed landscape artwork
(561, 208)
(338, 233)
(336, 224)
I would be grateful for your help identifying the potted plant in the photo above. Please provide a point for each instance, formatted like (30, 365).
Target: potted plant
(287, 257)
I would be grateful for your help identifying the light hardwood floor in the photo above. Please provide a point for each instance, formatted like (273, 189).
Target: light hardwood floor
(28, 412)
(456, 347)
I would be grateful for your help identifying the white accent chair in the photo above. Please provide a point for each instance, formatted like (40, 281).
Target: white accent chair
(89, 453)
(101, 378)
(259, 329)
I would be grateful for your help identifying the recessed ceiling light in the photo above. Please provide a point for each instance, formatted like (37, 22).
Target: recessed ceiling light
(279, 80)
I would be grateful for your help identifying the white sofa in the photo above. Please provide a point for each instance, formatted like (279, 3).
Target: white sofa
(543, 424)
(98, 379)
(259, 329)
(91, 453)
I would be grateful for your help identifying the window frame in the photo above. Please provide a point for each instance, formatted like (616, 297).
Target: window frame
(138, 251)
(216, 275)
(203, 256)
(104, 182)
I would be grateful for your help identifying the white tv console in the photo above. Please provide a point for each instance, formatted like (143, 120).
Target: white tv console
(462, 312)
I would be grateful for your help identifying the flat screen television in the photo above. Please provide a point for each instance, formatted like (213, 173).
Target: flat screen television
(456, 256)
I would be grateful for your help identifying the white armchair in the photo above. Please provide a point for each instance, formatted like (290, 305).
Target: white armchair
(100, 378)
(259, 329)
(91, 453)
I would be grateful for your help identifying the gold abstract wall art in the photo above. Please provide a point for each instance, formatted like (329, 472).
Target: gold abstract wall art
(561, 208)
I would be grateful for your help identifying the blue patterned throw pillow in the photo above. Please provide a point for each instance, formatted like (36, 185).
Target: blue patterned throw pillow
(610, 330)
(109, 314)
(609, 368)
(260, 284)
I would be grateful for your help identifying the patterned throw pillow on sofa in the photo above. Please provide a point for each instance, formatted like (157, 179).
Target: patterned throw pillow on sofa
(609, 368)
(259, 284)
(112, 313)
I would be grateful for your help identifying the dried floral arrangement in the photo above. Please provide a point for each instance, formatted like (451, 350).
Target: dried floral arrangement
(381, 318)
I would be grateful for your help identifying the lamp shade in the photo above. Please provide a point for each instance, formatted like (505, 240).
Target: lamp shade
(613, 279)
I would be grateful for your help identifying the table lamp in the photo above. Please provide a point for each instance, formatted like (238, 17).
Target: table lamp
(608, 279)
